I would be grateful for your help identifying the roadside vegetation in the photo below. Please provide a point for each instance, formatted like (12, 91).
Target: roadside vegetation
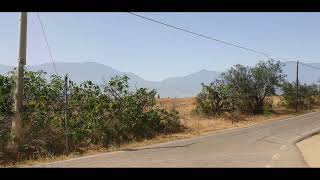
(113, 116)
(245, 90)
(308, 96)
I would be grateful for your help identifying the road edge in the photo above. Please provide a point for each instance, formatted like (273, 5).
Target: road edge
(303, 137)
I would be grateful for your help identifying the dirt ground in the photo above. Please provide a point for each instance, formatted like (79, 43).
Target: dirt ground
(310, 149)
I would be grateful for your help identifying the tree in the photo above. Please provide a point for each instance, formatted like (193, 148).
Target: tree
(252, 84)
(239, 79)
(267, 76)
(243, 88)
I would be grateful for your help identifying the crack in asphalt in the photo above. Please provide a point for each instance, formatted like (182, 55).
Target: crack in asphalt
(266, 140)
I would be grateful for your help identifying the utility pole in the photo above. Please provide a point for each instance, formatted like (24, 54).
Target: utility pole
(65, 110)
(18, 97)
(297, 86)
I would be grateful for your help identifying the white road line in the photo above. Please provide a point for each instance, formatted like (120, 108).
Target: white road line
(276, 156)
(283, 147)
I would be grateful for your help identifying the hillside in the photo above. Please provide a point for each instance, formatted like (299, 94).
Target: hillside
(186, 86)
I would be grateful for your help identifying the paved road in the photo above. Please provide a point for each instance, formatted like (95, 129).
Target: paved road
(264, 145)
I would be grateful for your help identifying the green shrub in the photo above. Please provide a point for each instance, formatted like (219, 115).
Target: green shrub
(96, 116)
(267, 107)
(6, 112)
(215, 99)
(6, 96)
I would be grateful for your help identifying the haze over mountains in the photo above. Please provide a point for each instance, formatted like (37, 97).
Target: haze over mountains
(186, 86)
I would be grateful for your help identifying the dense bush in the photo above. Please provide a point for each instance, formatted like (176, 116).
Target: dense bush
(307, 97)
(6, 111)
(96, 115)
(6, 96)
(215, 99)
(241, 88)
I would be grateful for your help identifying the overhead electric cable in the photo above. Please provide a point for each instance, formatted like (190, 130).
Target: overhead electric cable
(48, 47)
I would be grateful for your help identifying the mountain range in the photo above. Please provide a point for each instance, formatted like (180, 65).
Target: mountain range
(185, 86)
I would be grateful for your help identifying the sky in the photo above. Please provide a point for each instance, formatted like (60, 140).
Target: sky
(155, 52)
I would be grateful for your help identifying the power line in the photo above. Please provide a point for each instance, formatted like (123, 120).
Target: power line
(178, 28)
(214, 39)
(49, 49)
(201, 35)
(314, 67)
(75, 60)
(292, 61)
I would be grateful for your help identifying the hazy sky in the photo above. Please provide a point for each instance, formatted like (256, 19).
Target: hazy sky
(153, 51)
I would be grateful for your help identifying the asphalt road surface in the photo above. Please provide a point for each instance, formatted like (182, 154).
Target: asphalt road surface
(264, 145)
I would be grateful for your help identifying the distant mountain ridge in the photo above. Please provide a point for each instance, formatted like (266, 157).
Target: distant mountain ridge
(185, 86)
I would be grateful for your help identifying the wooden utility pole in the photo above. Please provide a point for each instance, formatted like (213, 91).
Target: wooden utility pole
(18, 97)
(297, 86)
(65, 110)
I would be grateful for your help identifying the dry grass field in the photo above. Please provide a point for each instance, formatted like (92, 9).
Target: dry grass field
(197, 123)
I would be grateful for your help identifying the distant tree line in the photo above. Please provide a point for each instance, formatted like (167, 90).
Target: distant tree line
(307, 97)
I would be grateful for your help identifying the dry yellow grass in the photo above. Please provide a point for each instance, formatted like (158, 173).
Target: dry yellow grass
(196, 125)
(204, 124)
